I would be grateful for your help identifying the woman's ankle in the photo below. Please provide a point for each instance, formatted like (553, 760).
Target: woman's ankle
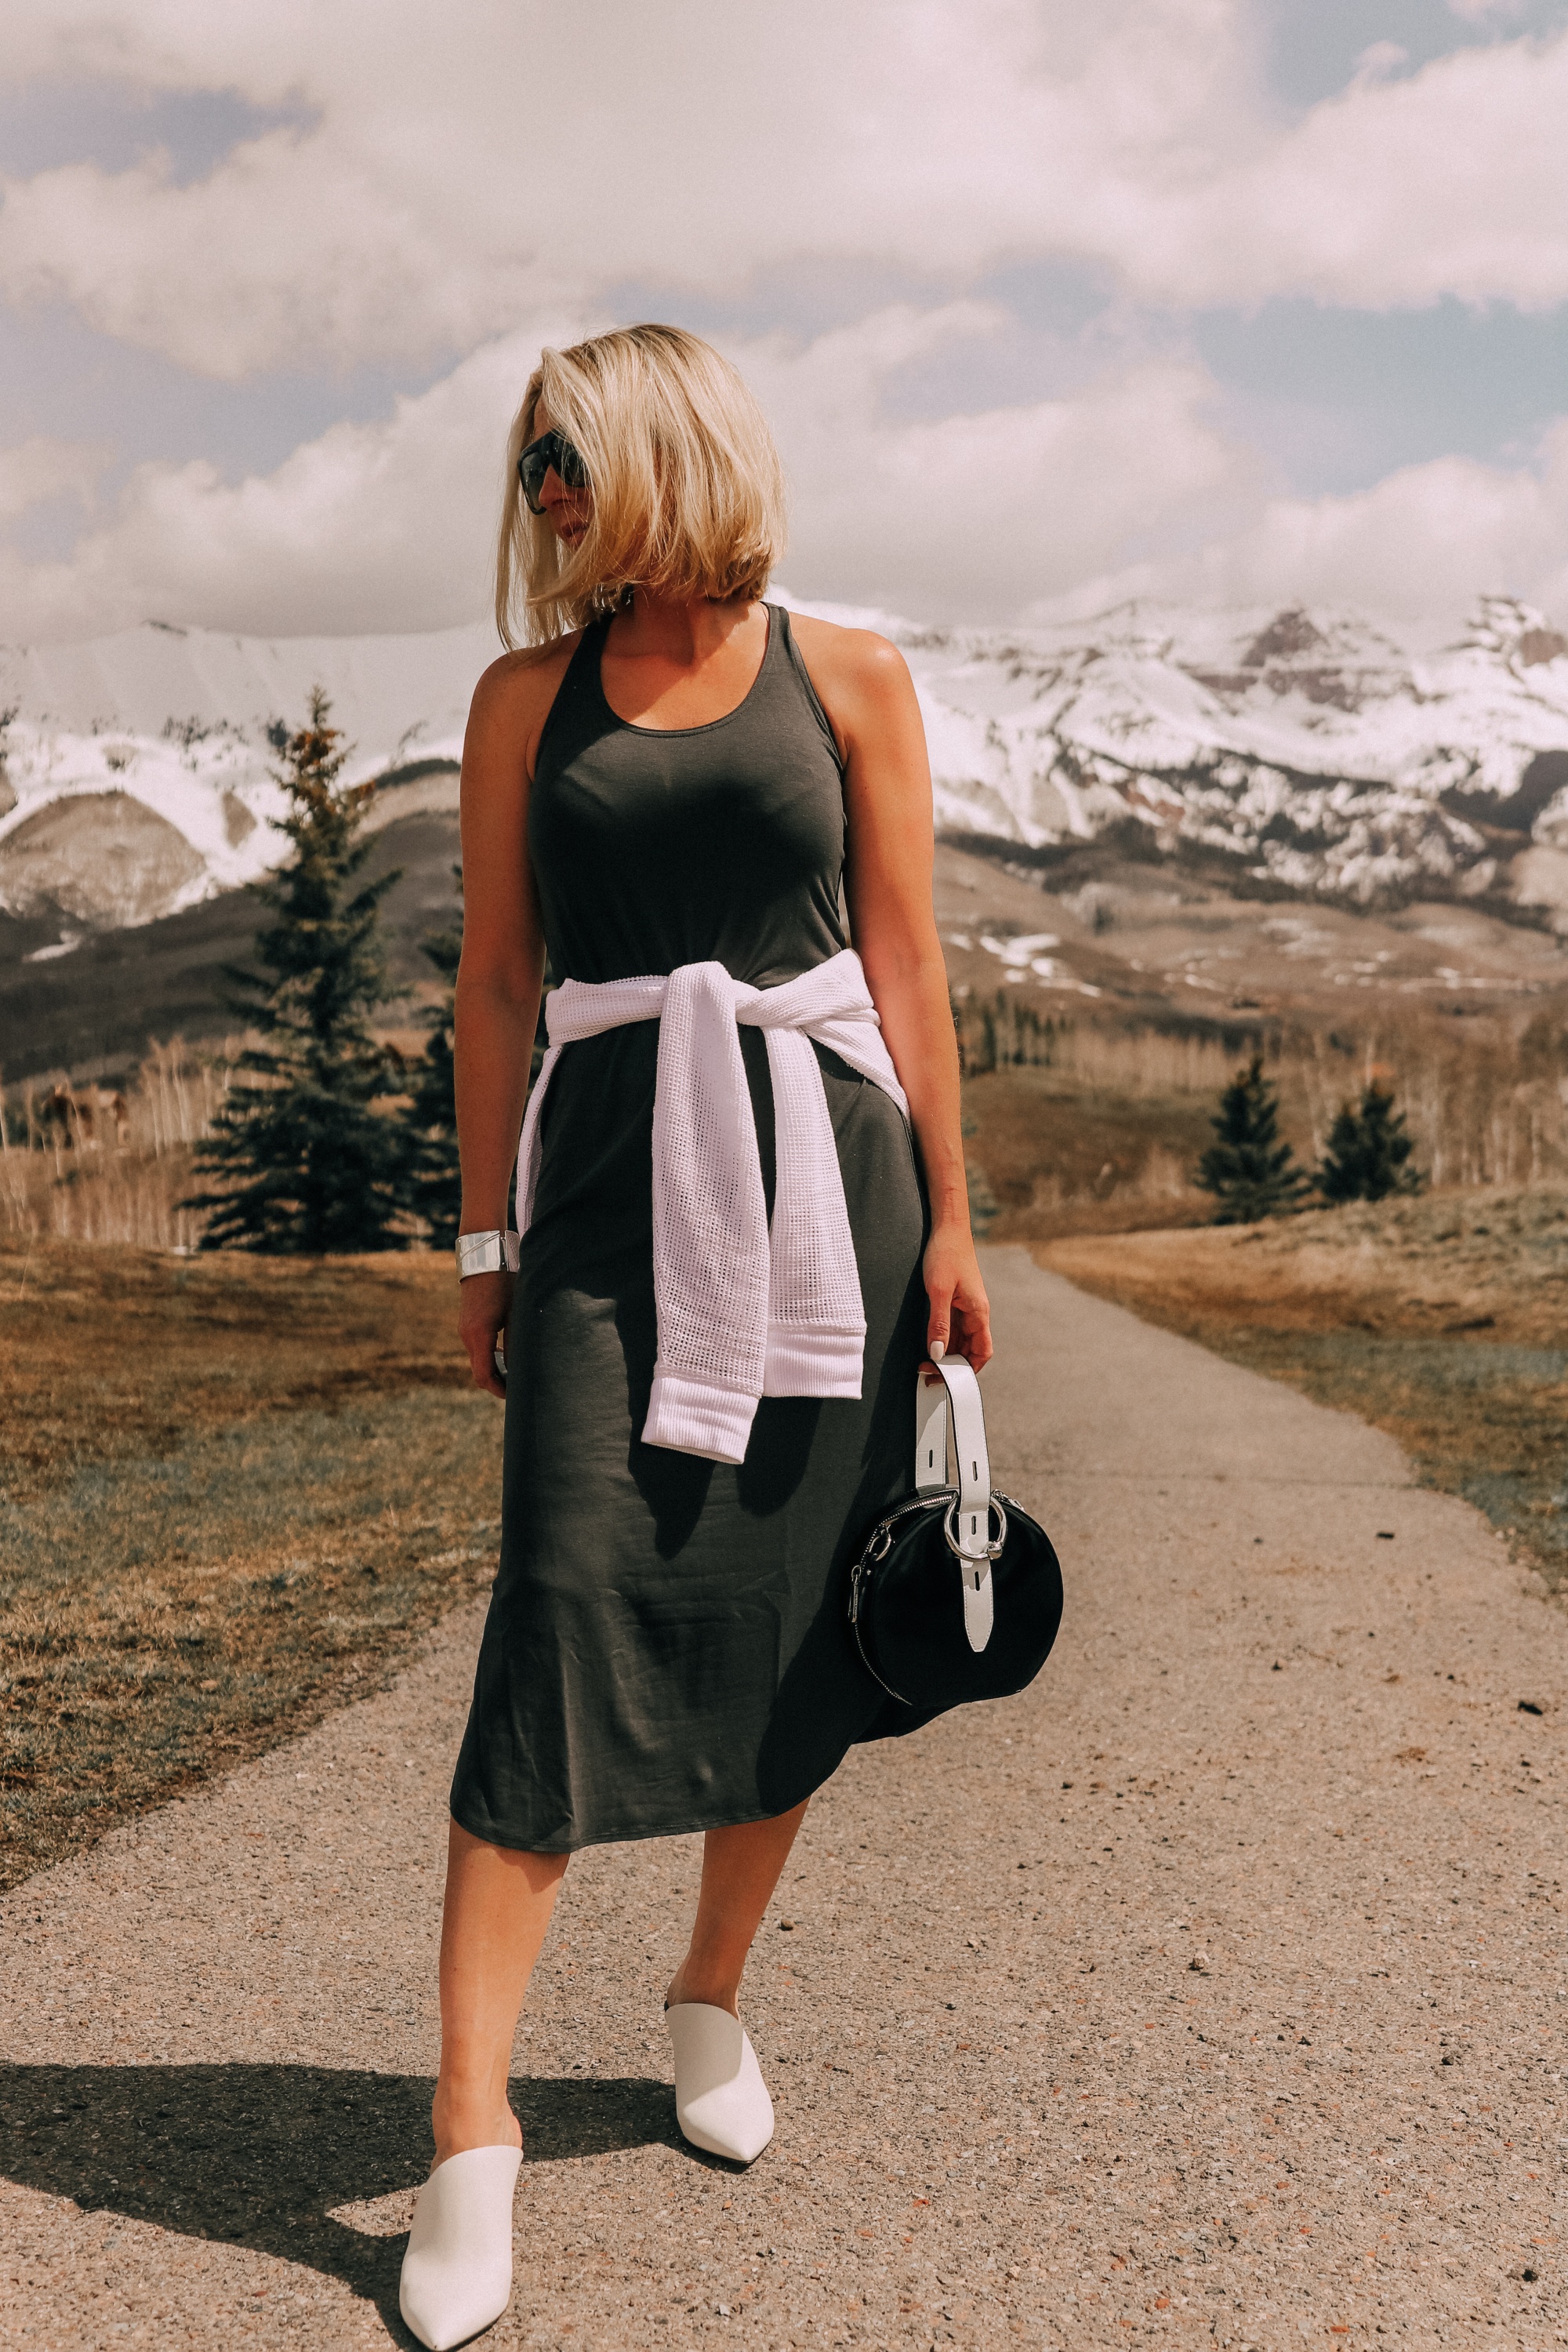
(461, 2122)
(690, 1983)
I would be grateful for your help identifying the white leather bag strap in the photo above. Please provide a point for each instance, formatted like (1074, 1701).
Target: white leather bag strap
(931, 1434)
(974, 1465)
(969, 1522)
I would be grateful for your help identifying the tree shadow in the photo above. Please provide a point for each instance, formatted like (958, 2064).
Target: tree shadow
(259, 2156)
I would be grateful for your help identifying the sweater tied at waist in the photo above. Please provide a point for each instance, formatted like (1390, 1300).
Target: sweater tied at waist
(743, 1311)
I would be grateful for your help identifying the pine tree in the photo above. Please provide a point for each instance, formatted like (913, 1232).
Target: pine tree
(1369, 1151)
(1251, 1173)
(431, 1183)
(300, 1161)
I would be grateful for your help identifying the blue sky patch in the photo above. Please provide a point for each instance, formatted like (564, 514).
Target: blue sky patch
(1312, 47)
(44, 124)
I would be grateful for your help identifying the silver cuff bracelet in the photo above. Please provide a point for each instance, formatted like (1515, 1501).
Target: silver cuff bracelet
(491, 1253)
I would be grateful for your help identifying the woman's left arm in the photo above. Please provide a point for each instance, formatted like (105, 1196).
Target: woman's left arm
(867, 690)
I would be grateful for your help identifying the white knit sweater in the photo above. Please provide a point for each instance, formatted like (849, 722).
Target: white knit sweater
(742, 1314)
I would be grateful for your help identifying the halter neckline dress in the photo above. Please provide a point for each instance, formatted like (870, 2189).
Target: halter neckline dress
(666, 1648)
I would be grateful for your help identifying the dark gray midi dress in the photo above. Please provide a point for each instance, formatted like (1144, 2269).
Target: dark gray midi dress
(666, 1648)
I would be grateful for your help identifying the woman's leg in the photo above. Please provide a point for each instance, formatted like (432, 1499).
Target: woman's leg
(498, 1907)
(740, 1868)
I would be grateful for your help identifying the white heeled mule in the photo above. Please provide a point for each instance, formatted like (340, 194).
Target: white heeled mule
(457, 2273)
(722, 2102)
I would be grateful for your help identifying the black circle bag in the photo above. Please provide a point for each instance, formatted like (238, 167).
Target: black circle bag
(958, 1594)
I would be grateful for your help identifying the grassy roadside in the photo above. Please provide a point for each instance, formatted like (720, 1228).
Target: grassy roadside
(1051, 1153)
(1442, 1319)
(232, 1493)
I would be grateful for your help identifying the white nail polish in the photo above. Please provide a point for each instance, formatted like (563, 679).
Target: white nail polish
(937, 1351)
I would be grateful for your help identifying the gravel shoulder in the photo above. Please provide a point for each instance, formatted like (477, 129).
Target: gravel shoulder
(1209, 1992)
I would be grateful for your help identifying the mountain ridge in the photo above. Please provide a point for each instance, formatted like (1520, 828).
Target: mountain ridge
(1313, 750)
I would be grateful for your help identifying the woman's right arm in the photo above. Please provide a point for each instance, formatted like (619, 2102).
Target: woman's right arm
(500, 973)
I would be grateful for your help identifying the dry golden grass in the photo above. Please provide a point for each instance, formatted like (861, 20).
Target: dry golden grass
(1092, 1122)
(1443, 1319)
(116, 1175)
(118, 1167)
(1051, 1154)
(235, 1490)
(106, 1352)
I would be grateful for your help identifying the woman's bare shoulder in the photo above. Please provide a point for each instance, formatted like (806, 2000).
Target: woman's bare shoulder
(852, 669)
(520, 686)
(860, 653)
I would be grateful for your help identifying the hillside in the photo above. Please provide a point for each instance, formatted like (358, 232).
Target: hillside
(94, 1010)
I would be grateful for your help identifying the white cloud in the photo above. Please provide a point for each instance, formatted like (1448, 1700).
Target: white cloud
(1423, 542)
(452, 179)
(1417, 547)
(452, 175)
(1128, 486)
(1454, 181)
(466, 184)
(1376, 63)
(285, 258)
(387, 525)
(973, 515)
(390, 526)
(42, 468)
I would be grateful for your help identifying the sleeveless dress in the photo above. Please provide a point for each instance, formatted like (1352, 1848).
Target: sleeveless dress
(666, 1648)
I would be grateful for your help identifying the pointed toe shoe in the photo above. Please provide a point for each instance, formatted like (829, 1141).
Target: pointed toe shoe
(722, 2102)
(457, 2273)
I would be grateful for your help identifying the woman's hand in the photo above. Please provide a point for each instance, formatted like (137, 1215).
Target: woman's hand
(959, 1318)
(485, 1303)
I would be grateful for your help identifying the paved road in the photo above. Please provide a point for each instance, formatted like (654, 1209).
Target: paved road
(1212, 1992)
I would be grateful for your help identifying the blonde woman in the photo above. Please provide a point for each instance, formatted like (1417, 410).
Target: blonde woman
(731, 1263)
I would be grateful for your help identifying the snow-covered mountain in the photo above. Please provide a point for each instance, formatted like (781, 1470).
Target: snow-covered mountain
(137, 769)
(136, 773)
(1315, 746)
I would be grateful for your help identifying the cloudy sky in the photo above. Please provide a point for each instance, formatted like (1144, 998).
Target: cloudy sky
(1219, 301)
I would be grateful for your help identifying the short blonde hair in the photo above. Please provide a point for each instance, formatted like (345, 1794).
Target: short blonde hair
(688, 492)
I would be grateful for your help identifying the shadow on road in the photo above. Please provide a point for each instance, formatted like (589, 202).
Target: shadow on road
(260, 2156)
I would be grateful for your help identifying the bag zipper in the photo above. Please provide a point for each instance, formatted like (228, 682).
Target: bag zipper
(880, 1543)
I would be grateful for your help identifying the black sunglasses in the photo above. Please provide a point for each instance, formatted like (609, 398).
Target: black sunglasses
(552, 450)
